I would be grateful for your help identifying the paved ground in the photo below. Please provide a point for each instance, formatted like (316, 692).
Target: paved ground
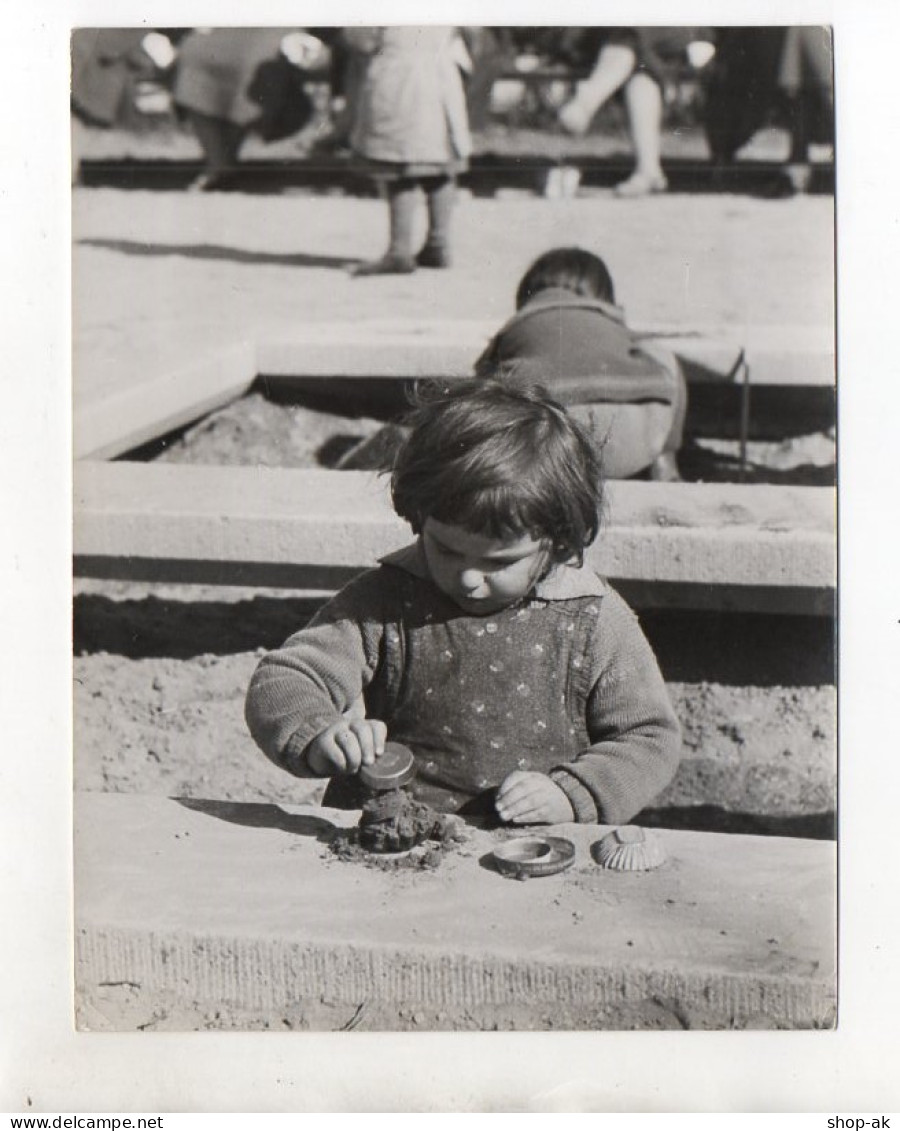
(161, 278)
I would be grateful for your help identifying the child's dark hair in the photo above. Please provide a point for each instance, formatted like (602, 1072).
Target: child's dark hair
(499, 461)
(567, 268)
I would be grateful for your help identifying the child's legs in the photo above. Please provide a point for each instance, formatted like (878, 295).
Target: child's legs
(632, 435)
(679, 393)
(402, 196)
(644, 104)
(440, 194)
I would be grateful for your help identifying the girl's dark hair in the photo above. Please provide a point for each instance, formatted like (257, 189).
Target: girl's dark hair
(499, 461)
(568, 268)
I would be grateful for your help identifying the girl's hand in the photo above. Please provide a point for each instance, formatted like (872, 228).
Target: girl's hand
(529, 798)
(345, 746)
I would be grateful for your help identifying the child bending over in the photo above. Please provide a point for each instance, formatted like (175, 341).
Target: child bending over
(569, 335)
(520, 680)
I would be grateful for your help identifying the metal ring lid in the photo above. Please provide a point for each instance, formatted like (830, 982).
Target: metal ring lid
(522, 858)
(390, 770)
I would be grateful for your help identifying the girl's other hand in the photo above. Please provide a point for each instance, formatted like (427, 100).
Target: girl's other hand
(346, 745)
(529, 798)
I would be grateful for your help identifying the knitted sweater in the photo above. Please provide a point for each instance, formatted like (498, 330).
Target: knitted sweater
(563, 683)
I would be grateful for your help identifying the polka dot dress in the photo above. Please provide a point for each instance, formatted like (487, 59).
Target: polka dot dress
(483, 696)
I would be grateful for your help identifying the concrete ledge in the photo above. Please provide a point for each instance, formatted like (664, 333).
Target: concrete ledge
(777, 355)
(314, 529)
(155, 403)
(243, 908)
(488, 172)
(145, 410)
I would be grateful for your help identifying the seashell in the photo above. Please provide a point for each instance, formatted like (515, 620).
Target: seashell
(629, 849)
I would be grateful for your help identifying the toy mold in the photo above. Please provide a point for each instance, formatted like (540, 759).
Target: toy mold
(629, 849)
(393, 769)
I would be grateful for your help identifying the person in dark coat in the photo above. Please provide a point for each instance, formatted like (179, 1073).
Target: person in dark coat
(105, 64)
(762, 74)
(230, 81)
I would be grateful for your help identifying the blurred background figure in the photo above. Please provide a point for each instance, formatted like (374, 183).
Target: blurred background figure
(410, 126)
(492, 51)
(641, 62)
(108, 64)
(231, 81)
(765, 73)
(345, 74)
(714, 88)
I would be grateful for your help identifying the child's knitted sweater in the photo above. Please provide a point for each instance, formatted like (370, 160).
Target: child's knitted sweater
(563, 683)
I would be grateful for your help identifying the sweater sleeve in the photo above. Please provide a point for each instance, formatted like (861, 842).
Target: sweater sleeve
(319, 673)
(635, 736)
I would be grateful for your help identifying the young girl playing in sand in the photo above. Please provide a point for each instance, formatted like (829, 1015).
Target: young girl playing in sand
(519, 679)
(411, 128)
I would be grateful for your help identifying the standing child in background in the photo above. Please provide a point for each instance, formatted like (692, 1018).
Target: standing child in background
(519, 679)
(569, 336)
(411, 127)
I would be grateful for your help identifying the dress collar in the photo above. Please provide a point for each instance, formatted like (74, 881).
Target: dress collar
(563, 583)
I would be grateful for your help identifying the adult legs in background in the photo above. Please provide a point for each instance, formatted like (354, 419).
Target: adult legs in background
(440, 196)
(644, 104)
(615, 69)
(402, 196)
(615, 65)
(806, 78)
(740, 87)
(220, 141)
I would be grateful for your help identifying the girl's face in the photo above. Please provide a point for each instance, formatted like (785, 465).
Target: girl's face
(481, 574)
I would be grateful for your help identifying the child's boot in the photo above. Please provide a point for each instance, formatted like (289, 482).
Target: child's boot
(440, 195)
(398, 259)
(387, 265)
